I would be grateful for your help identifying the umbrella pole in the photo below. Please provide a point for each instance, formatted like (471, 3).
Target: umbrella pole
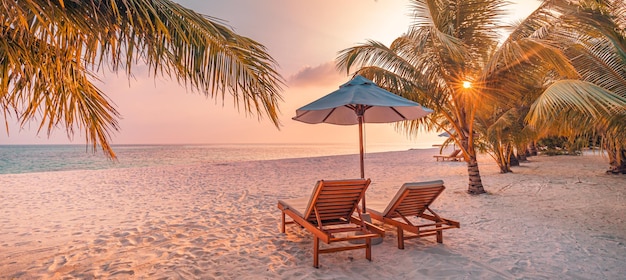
(361, 152)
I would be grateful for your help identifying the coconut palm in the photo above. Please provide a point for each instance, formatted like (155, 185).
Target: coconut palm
(52, 50)
(590, 35)
(456, 41)
(434, 62)
(585, 33)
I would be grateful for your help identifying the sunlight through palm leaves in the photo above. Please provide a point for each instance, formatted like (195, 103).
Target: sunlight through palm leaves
(456, 41)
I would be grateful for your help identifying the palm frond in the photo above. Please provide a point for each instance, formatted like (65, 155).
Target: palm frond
(197, 51)
(599, 64)
(576, 97)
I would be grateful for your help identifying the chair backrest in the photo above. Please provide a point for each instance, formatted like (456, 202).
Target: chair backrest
(413, 198)
(335, 199)
(454, 153)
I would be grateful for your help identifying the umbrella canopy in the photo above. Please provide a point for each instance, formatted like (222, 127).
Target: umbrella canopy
(360, 101)
(357, 98)
(444, 134)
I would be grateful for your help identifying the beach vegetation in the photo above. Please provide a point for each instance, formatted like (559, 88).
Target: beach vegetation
(589, 110)
(584, 34)
(560, 72)
(53, 52)
(560, 145)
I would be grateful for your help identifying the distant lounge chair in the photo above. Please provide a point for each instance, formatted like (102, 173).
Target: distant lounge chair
(411, 201)
(328, 212)
(454, 156)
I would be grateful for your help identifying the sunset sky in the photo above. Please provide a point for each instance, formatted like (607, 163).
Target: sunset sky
(303, 36)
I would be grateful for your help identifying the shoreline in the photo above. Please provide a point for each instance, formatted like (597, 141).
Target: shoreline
(52, 158)
(553, 217)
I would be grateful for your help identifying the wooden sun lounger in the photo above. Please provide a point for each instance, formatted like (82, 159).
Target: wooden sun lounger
(410, 205)
(455, 156)
(328, 215)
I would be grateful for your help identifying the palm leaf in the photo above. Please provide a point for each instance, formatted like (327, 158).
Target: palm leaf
(576, 97)
(43, 40)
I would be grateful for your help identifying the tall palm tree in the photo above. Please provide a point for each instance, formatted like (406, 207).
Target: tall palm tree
(456, 41)
(434, 62)
(52, 50)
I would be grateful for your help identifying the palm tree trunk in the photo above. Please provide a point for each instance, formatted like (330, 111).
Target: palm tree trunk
(513, 161)
(502, 156)
(532, 149)
(521, 154)
(617, 166)
(505, 158)
(475, 183)
(521, 157)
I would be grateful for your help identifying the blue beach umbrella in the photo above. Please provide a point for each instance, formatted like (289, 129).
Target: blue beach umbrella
(360, 101)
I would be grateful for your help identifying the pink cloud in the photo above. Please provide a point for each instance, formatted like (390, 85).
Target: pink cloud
(322, 75)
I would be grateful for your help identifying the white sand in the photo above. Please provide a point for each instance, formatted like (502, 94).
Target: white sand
(555, 217)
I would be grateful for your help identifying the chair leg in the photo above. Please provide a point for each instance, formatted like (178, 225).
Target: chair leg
(368, 249)
(316, 249)
(400, 238)
(439, 235)
(282, 222)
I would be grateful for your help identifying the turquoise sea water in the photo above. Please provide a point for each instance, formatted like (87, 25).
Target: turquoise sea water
(45, 158)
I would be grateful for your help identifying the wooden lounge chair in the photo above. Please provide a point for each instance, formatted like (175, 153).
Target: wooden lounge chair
(409, 206)
(454, 156)
(328, 214)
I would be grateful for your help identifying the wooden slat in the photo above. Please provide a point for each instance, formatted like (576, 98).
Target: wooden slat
(344, 248)
(414, 202)
(333, 204)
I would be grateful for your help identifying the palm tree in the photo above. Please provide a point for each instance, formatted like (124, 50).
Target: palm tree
(589, 34)
(52, 50)
(456, 41)
(434, 63)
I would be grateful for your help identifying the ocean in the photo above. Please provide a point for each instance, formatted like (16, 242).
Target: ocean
(15, 159)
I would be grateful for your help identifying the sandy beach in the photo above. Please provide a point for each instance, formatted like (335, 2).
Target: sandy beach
(553, 218)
